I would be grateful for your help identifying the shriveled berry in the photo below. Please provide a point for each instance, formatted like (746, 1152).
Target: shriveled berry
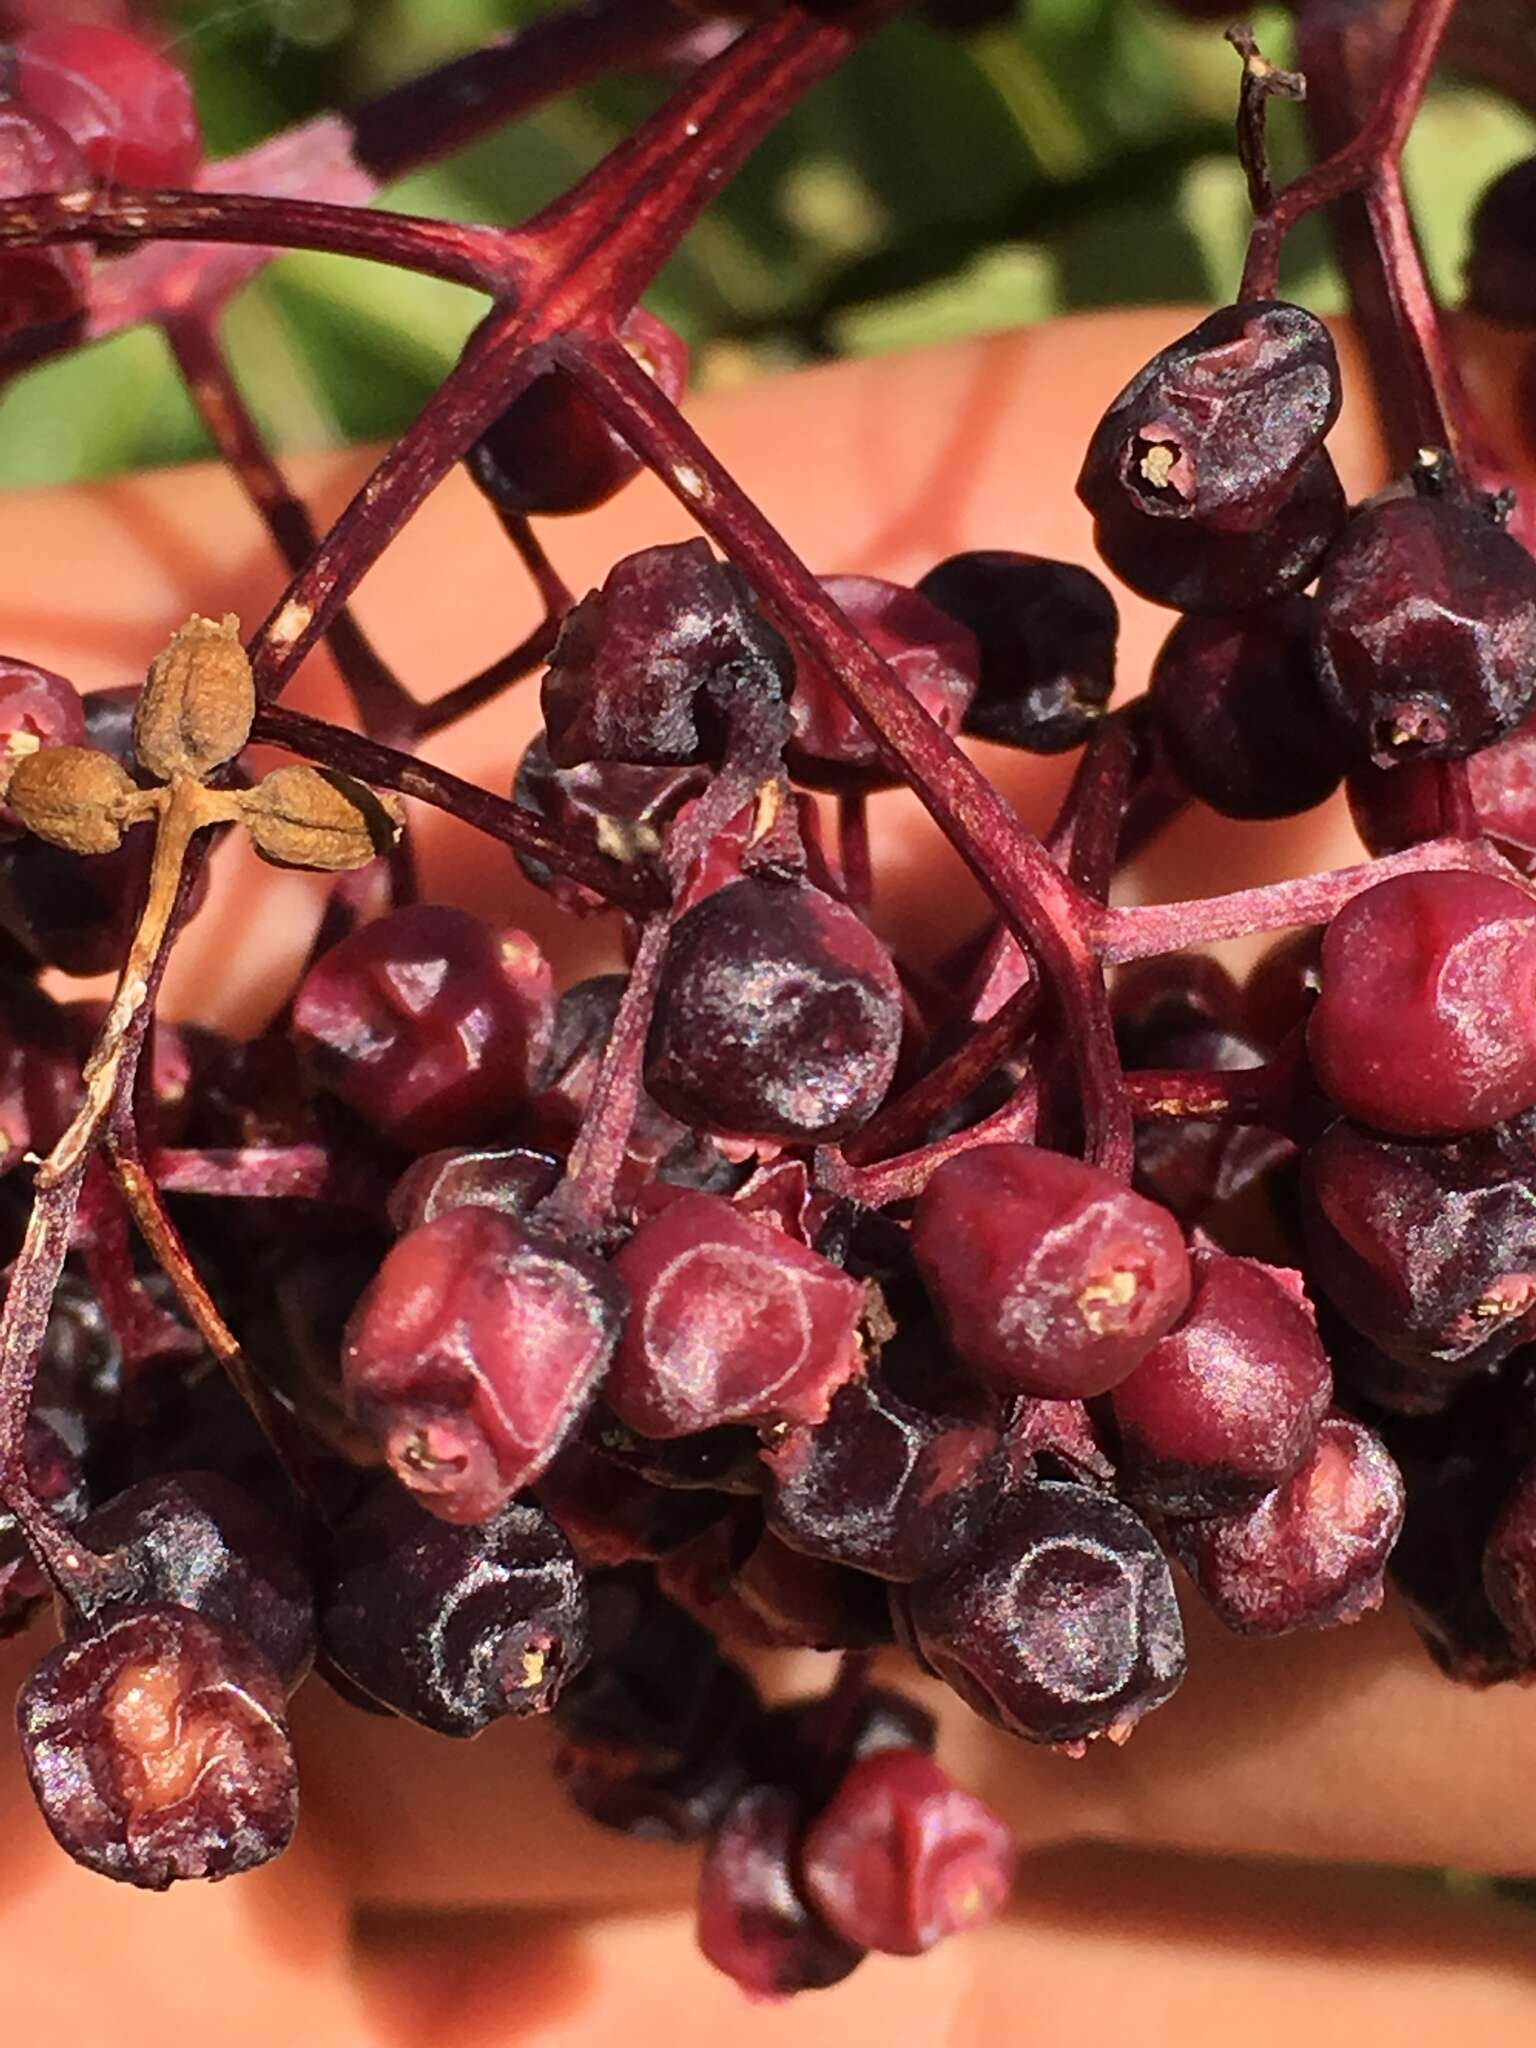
(928, 652)
(195, 1540)
(882, 1486)
(1312, 1553)
(157, 1749)
(1228, 1404)
(1425, 1026)
(902, 1856)
(1061, 1625)
(626, 807)
(1046, 634)
(1215, 431)
(584, 1018)
(730, 1321)
(453, 1627)
(1051, 1276)
(1424, 628)
(514, 1180)
(1237, 707)
(552, 451)
(473, 1355)
(753, 1923)
(612, 1516)
(651, 668)
(778, 1015)
(1428, 1250)
(809, 1603)
(428, 1023)
(127, 109)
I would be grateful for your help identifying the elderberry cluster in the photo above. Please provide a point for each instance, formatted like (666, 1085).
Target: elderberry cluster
(772, 1292)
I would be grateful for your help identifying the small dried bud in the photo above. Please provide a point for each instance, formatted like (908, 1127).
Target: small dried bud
(198, 702)
(304, 817)
(73, 797)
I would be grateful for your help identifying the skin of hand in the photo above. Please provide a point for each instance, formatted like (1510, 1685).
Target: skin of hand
(1192, 1888)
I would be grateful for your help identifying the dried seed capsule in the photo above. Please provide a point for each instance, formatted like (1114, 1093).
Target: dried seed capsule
(303, 817)
(72, 797)
(198, 702)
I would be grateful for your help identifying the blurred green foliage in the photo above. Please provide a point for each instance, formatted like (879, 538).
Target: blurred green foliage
(1078, 155)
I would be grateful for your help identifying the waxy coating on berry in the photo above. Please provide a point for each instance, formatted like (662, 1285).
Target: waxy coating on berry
(1052, 1277)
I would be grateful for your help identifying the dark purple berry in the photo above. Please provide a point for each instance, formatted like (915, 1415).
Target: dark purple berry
(753, 1923)
(1400, 806)
(621, 805)
(654, 667)
(453, 1627)
(513, 1181)
(157, 1749)
(882, 1486)
(1046, 632)
(1501, 252)
(1238, 710)
(1424, 628)
(1061, 1625)
(779, 1015)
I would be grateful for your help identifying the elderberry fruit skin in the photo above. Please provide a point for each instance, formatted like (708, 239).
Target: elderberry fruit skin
(38, 708)
(512, 1180)
(552, 451)
(778, 1015)
(1215, 431)
(1228, 1404)
(1393, 808)
(902, 1856)
(428, 1023)
(1424, 629)
(931, 655)
(1236, 705)
(1425, 1027)
(196, 1540)
(473, 1354)
(453, 1627)
(1045, 632)
(157, 1749)
(1427, 1250)
(127, 109)
(1311, 1554)
(1061, 1625)
(730, 1321)
(881, 1486)
(618, 803)
(44, 286)
(650, 669)
(1197, 569)
(1051, 1276)
(753, 1923)
(1509, 1565)
(1501, 249)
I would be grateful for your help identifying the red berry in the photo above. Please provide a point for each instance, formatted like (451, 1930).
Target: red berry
(1426, 1024)
(902, 1856)
(1052, 1277)
(1312, 1553)
(1227, 1405)
(428, 1023)
(930, 654)
(127, 109)
(730, 1321)
(552, 451)
(37, 709)
(39, 287)
(753, 1924)
(473, 1355)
